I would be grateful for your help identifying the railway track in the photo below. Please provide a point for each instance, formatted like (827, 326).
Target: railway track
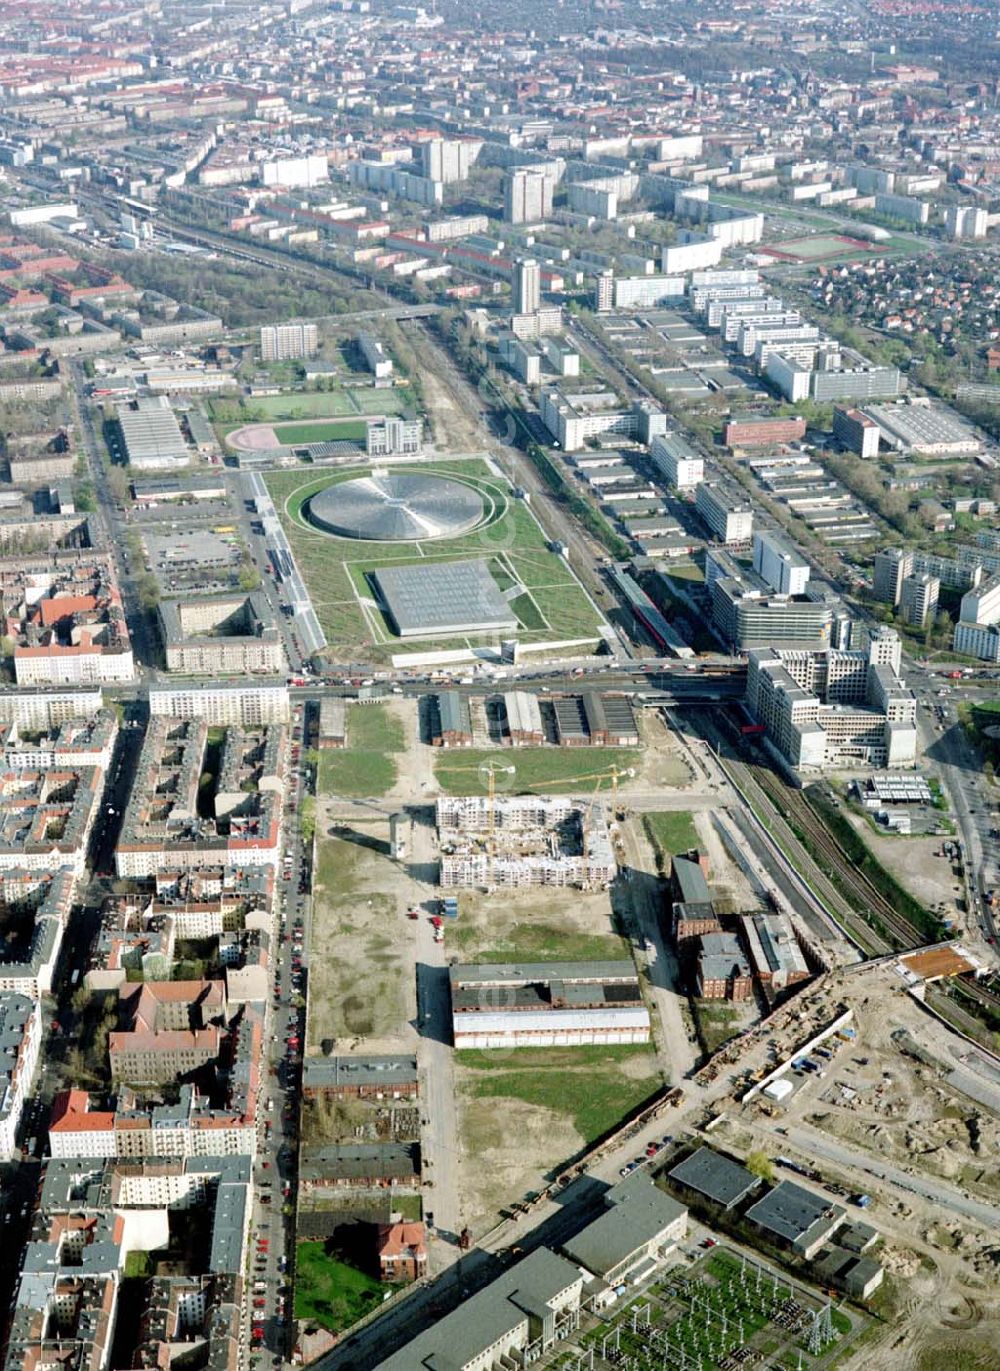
(748, 777)
(978, 992)
(899, 931)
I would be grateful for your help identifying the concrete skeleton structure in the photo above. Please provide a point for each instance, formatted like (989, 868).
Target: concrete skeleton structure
(522, 841)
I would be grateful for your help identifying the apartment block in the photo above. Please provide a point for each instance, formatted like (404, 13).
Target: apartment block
(287, 342)
(726, 513)
(162, 829)
(221, 634)
(784, 570)
(918, 599)
(377, 360)
(892, 568)
(20, 1035)
(247, 705)
(64, 613)
(527, 197)
(680, 464)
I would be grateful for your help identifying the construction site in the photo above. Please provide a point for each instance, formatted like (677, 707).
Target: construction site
(510, 842)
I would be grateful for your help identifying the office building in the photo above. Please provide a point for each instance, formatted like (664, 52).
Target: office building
(977, 633)
(527, 197)
(286, 342)
(674, 456)
(856, 432)
(573, 417)
(918, 599)
(377, 360)
(763, 432)
(892, 567)
(746, 615)
(726, 513)
(393, 436)
(779, 565)
(526, 286)
(832, 708)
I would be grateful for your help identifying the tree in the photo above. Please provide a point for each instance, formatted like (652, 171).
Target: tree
(759, 1164)
(118, 484)
(307, 818)
(249, 576)
(149, 591)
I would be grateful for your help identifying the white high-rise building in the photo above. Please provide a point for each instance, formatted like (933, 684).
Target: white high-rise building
(285, 342)
(677, 460)
(966, 221)
(781, 567)
(526, 286)
(527, 197)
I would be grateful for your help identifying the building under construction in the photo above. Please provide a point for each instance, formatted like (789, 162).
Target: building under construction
(516, 841)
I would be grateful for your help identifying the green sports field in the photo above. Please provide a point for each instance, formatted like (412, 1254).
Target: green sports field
(551, 605)
(321, 431)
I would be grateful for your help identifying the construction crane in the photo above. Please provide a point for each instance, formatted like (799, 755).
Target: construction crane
(587, 824)
(488, 773)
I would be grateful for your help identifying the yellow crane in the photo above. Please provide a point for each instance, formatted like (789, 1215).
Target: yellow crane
(488, 772)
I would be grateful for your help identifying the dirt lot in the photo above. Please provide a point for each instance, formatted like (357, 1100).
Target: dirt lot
(534, 925)
(927, 877)
(506, 1148)
(729, 886)
(361, 983)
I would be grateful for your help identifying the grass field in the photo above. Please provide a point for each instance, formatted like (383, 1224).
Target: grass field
(670, 833)
(321, 431)
(538, 770)
(594, 1086)
(308, 404)
(535, 942)
(329, 1291)
(819, 247)
(365, 767)
(552, 605)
